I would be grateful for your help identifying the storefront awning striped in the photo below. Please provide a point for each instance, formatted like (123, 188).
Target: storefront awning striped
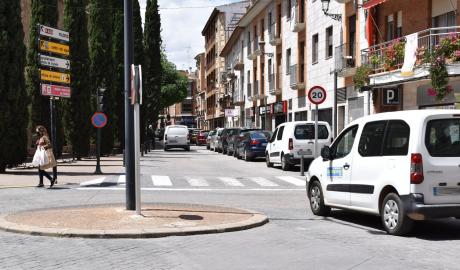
(372, 3)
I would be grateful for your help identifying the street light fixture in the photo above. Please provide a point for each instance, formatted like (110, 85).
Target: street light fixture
(325, 7)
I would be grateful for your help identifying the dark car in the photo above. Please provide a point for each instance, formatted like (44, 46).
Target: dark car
(201, 138)
(233, 140)
(227, 134)
(252, 144)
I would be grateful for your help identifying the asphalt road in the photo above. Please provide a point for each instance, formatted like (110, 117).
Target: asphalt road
(293, 239)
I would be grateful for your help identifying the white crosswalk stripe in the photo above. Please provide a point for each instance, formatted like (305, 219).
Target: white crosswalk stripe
(197, 182)
(292, 180)
(93, 182)
(229, 181)
(121, 180)
(263, 182)
(161, 180)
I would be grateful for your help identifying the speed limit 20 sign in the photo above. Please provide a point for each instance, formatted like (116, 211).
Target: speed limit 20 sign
(317, 95)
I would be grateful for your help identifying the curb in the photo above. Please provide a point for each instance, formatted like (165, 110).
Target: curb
(256, 220)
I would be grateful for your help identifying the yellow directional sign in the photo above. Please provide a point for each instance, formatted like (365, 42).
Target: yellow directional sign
(54, 47)
(51, 76)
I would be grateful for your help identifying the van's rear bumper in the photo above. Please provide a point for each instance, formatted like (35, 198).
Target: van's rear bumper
(416, 208)
(293, 160)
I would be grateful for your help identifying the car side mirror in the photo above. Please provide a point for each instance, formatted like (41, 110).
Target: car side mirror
(326, 153)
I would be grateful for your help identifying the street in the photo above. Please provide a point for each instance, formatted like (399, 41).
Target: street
(293, 239)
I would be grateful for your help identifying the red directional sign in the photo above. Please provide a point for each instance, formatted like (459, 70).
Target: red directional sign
(317, 95)
(55, 90)
(99, 120)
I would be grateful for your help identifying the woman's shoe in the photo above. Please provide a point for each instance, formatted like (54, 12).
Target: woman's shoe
(53, 181)
(40, 185)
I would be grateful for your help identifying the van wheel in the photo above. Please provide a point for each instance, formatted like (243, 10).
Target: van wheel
(394, 218)
(284, 165)
(317, 200)
(187, 148)
(267, 160)
(166, 148)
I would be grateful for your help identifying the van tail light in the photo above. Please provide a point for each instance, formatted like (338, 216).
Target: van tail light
(416, 169)
(254, 142)
(291, 144)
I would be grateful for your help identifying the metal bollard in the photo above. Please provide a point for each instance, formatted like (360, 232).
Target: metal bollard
(142, 149)
(302, 169)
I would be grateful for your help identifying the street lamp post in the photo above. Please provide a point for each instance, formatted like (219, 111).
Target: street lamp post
(100, 108)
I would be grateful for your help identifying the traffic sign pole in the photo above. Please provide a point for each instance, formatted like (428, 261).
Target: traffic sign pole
(316, 131)
(316, 95)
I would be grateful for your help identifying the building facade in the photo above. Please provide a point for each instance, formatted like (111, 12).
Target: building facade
(184, 113)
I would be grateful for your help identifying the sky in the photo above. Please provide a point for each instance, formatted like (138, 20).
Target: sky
(181, 23)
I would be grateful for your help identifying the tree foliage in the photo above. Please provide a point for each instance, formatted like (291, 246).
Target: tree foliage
(118, 68)
(173, 86)
(101, 70)
(77, 109)
(13, 101)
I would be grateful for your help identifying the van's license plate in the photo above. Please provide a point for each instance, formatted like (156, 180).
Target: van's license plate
(172, 141)
(446, 191)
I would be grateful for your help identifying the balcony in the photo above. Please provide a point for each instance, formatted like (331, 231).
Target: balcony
(274, 84)
(345, 61)
(274, 36)
(385, 60)
(238, 97)
(238, 64)
(299, 23)
(295, 83)
(250, 54)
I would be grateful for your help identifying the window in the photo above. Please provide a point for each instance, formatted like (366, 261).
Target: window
(445, 20)
(390, 28)
(279, 137)
(314, 55)
(351, 35)
(262, 30)
(370, 144)
(272, 139)
(288, 61)
(307, 132)
(288, 9)
(329, 42)
(442, 138)
(342, 147)
(399, 24)
(396, 139)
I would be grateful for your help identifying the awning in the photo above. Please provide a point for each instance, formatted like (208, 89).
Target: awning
(372, 3)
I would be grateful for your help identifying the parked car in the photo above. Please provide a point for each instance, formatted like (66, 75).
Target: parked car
(201, 138)
(217, 142)
(224, 138)
(176, 136)
(252, 144)
(291, 137)
(209, 139)
(401, 166)
(232, 140)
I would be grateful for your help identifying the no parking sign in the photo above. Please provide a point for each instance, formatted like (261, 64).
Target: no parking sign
(99, 120)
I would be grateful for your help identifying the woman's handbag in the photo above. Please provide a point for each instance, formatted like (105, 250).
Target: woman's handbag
(51, 161)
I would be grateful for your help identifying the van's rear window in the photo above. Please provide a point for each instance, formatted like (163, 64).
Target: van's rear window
(442, 138)
(307, 132)
(177, 131)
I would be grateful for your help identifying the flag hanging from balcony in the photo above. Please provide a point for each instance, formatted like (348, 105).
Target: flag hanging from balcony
(372, 3)
(410, 56)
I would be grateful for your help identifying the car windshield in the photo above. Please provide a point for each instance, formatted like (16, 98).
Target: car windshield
(259, 135)
(442, 138)
(307, 132)
(177, 131)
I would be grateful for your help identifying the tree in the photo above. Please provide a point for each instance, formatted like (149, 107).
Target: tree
(153, 67)
(13, 101)
(173, 85)
(101, 69)
(118, 66)
(43, 12)
(77, 109)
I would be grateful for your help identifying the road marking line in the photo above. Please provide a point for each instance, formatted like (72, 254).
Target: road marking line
(122, 180)
(93, 182)
(263, 182)
(197, 182)
(195, 189)
(229, 181)
(292, 180)
(161, 180)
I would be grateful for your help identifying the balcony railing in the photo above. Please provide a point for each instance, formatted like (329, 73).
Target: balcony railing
(299, 23)
(238, 98)
(345, 60)
(256, 88)
(274, 36)
(249, 90)
(293, 76)
(274, 81)
(238, 64)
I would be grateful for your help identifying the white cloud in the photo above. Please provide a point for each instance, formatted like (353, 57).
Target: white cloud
(182, 22)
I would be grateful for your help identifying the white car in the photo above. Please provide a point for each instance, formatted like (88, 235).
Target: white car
(176, 136)
(291, 137)
(402, 166)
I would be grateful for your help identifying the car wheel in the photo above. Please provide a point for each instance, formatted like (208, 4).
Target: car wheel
(207, 147)
(187, 148)
(238, 155)
(394, 218)
(166, 148)
(224, 151)
(267, 160)
(317, 200)
(284, 165)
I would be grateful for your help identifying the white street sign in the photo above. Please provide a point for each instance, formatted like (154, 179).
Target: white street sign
(54, 33)
(54, 62)
(317, 95)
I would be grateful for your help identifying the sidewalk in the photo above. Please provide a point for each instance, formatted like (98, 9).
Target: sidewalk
(69, 172)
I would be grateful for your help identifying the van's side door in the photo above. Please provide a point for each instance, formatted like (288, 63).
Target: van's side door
(275, 155)
(338, 169)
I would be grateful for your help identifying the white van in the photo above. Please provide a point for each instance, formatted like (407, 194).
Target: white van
(291, 137)
(176, 136)
(402, 166)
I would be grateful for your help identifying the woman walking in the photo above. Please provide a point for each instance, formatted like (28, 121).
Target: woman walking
(44, 141)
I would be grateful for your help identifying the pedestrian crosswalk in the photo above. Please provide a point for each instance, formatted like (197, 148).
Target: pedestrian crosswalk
(200, 182)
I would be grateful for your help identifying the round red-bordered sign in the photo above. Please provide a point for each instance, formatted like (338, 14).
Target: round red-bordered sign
(317, 95)
(99, 119)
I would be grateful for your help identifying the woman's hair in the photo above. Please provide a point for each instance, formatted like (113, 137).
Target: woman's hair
(41, 128)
